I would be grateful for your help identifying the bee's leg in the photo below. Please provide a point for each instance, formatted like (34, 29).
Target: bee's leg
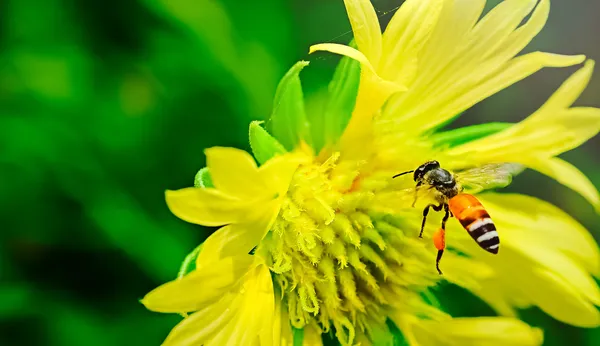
(439, 240)
(416, 193)
(446, 215)
(437, 261)
(425, 212)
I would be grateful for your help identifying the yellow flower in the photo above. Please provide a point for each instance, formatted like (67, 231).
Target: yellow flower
(446, 58)
(329, 243)
(227, 286)
(246, 199)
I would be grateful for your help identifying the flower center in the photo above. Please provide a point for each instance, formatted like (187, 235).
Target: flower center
(336, 261)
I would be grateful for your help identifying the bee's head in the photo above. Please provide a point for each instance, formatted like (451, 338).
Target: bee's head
(424, 168)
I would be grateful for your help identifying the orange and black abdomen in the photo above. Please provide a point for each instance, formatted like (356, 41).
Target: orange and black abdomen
(476, 220)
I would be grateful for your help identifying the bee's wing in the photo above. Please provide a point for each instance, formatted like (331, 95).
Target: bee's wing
(407, 195)
(488, 176)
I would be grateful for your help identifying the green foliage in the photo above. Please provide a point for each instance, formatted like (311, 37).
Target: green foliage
(466, 134)
(96, 121)
(188, 263)
(288, 121)
(298, 335)
(341, 98)
(398, 338)
(203, 179)
(382, 335)
(264, 146)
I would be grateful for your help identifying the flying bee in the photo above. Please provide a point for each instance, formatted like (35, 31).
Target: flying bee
(448, 193)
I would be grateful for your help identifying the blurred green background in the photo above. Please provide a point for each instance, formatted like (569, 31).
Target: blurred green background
(105, 104)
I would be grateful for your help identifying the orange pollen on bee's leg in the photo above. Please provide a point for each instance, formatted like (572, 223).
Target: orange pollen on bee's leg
(439, 239)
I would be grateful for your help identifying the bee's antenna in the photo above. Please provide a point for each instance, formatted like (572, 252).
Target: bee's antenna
(403, 173)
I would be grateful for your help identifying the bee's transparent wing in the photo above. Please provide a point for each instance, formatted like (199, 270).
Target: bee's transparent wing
(488, 176)
(407, 196)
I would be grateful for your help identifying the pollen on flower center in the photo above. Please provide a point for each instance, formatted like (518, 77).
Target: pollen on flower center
(336, 262)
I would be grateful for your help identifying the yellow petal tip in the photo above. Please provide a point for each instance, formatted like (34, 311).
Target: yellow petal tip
(317, 47)
(579, 58)
(559, 60)
(148, 303)
(538, 335)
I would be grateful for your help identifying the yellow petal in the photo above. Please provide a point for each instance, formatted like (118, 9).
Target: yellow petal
(551, 251)
(470, 64)
(199, 288)
(570, 129)
(570, 90)
(208, 207)
(550, 122)
(463, 271)
(561, 300)
(404, 37)
(491, 31)
(311, 337)
(465, 93)
(201, 326)
(234, 172)
(565, 269)
(254, 310)
(549, 280)
(500, 300)
(524, 219)
(278, 171)
(240, 238)
(522, 250)
(444, 45)
(389, 86)
(519, 38)
(373, 91)
(282, 331)
(455, 21)
(480, 331)
(406, 322)
(365, 27)
(258, 297)
(454, 77)
(344, 50)
(236, 239)
(569, 176)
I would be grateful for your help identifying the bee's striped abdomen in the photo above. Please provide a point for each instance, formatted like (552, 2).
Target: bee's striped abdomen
(476, 220)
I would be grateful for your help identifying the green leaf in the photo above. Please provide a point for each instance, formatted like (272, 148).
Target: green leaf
(398, 338)
(343, 90)
(264, 146)
(446, 123)
(288, 122)
(298, 336)
(382, 335)
(463, 135)
(190, 259)
(331, 110)
(187, 264)
(203, 178)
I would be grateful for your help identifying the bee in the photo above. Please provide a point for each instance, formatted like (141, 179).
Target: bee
(448, 193)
